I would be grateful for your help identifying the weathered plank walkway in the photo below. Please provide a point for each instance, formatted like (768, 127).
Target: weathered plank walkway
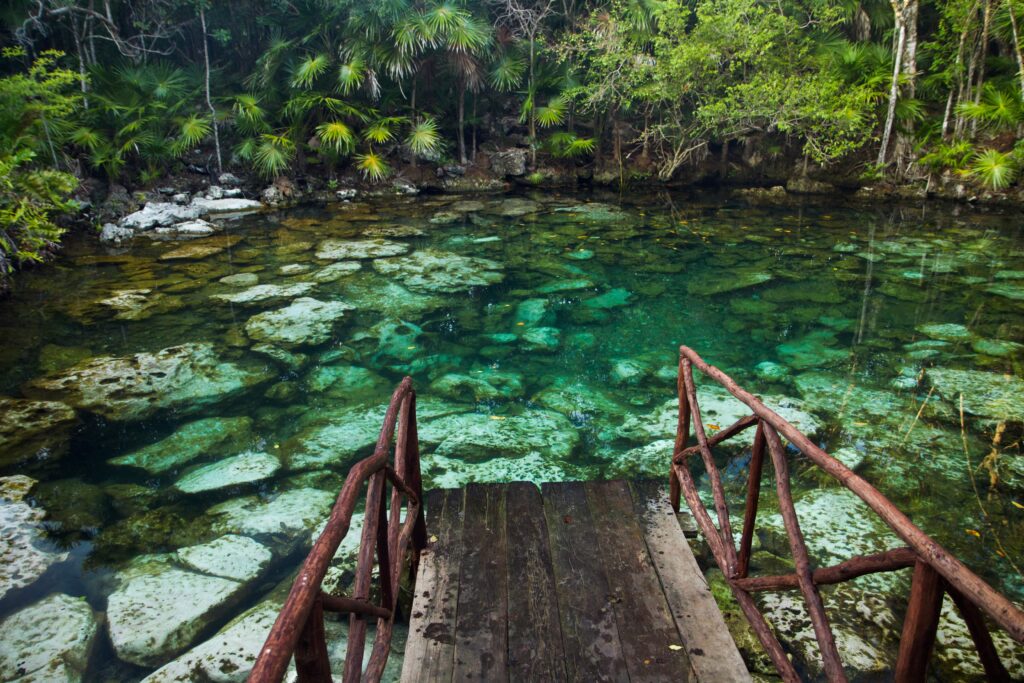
(571, 582)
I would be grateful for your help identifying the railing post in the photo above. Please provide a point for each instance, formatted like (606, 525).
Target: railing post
(414, 477)
(750, 511)
(920, 624)
(311, 662)
(682, 433)
(995, 672)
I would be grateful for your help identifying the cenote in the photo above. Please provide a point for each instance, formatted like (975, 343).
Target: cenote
(541, 332)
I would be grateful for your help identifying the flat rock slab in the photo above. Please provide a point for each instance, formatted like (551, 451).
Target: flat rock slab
(344, 250)
(25, 552)
(210, 436)
(187, 378)
(304, 321)
(245, 468)
(34, 429)
(263, 294)
(50, 640)
(202, 248)
(239, 558)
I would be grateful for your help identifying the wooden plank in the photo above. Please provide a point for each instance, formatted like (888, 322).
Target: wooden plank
(481, 644)
(430, 649)
(712, 651)
(651, 645)
(590, 635)
(534, 635)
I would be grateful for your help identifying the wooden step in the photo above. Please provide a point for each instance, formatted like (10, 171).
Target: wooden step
(570, 582)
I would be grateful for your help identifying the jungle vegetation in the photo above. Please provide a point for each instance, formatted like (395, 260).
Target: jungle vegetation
(130, 90)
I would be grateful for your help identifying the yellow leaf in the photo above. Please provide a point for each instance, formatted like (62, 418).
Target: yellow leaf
(714, 427)
(433, 539)
(973, 532)
(410, 348)
(1017, 505)
(520, 324)
(497, 417)
(675, 647)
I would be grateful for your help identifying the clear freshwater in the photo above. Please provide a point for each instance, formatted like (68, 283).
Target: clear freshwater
(541, 332)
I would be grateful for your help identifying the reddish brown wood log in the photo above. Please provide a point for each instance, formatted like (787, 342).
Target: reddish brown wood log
(732, 430)
(700, 513)
(364, 577)
(272, 662)
(717, 492)
(997, 606)
(384, 568)
(920, 624)
(343, 605)
(311, 662)
(767, 637)
(890, 560)
(750, 509)
(413, 476)
(831, 663)
(995, 672)
(682, 434)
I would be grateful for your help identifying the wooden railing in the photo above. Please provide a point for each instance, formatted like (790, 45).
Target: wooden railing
(935, 571)
(299, 628)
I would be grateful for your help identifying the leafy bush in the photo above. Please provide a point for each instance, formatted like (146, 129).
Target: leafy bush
(34, 108)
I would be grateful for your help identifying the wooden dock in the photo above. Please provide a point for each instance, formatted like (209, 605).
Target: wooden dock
(570, 582)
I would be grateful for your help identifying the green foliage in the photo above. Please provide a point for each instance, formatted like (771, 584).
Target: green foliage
(954, 157)
(565, 145)
(372, 166)
(995, 169)
(424, 138)
(34, 105)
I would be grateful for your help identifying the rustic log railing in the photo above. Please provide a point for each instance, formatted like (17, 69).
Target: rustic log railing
(935, 571)
(299, 628)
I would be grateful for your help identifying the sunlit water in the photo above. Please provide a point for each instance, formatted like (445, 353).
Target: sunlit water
(570, 334)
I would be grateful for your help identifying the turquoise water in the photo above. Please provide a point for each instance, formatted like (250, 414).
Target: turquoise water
(541, 332)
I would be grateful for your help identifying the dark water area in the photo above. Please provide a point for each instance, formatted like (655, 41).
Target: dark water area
(541, 331)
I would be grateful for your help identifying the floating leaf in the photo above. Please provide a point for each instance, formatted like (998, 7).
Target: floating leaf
(973, 532)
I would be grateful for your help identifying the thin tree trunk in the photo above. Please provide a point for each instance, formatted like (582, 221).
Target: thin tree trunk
(462, 122)
(981, 63)
(533, 110)
(473, 152)
(1016, 47)
(959, 66)
(83, 81)
(209, 101)
(894, 90)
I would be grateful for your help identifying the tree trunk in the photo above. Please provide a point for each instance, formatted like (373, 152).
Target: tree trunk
(82, 80)
(981, 62)
(894, 90)
(958, 67)
(472, 154)
(533, 110)
(903, 151)
(1016, 47)
(462, 122)
(209, 100)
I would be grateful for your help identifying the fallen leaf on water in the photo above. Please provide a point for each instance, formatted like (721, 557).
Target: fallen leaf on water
(497, 417)
(520, 324)
(675, 647)
(714, 428)
(973, 532)
(1017, 505)
(433, 539)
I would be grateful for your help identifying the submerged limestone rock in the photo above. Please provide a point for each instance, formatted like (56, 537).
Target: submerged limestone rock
(208, 437)
(283, 520)
(25, 552)
(985, 394)
(51, 640)
(443, 472)
(305, 321)
(727, 282)
(266, 294)
(226, 205)
(949, 332)
(719, 409)
(651, 461)
(484, 386)
(140, 304)
(346, 381)
(245, 468)
(188, 379)
(227, 657)
(336, 271)
(34, 430)
(150, 620)
(231, 557)
(334, 440)
(432, 270)
(345, 250)
(475, 438)
(813, 350)
(240, 280)
(200, 249)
